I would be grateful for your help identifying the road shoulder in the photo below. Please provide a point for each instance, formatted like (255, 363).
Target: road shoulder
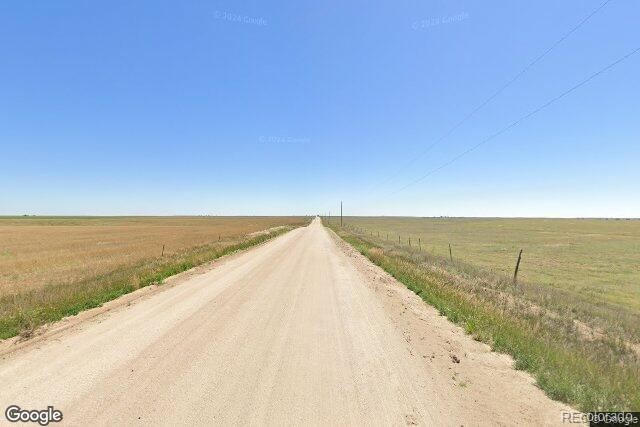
(484, 383)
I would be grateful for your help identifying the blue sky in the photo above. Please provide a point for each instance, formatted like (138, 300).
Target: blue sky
(155, 107)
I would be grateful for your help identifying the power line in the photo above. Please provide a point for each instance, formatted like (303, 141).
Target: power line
(496, 93)
(518, 121)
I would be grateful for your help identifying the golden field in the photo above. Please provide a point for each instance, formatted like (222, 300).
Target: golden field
(55, 267)
(38, 252)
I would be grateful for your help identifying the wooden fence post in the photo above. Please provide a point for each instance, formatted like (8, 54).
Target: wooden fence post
(450, 254)
(419, 244)
(515, 273)
(162, 251)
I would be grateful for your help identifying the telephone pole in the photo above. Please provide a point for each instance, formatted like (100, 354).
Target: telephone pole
(340, 213)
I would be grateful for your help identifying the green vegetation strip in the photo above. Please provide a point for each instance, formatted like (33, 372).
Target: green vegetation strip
(21, 314)
(580, 373)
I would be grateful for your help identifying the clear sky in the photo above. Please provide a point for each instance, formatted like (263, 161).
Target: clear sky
(197, 107)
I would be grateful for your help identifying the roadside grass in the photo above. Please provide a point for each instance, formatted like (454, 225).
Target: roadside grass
(596, 260)
(21, 314)
(586, 270)
(535, 325)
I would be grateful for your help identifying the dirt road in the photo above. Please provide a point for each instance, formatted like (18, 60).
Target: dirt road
(301, 330)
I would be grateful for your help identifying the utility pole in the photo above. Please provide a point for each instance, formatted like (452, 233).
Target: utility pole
(340, 213)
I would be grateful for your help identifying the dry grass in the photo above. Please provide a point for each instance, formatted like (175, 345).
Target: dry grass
(37, 252)
(51, 268)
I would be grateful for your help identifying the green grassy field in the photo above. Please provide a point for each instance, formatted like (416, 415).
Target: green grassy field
(573, 318)
(592, 258)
